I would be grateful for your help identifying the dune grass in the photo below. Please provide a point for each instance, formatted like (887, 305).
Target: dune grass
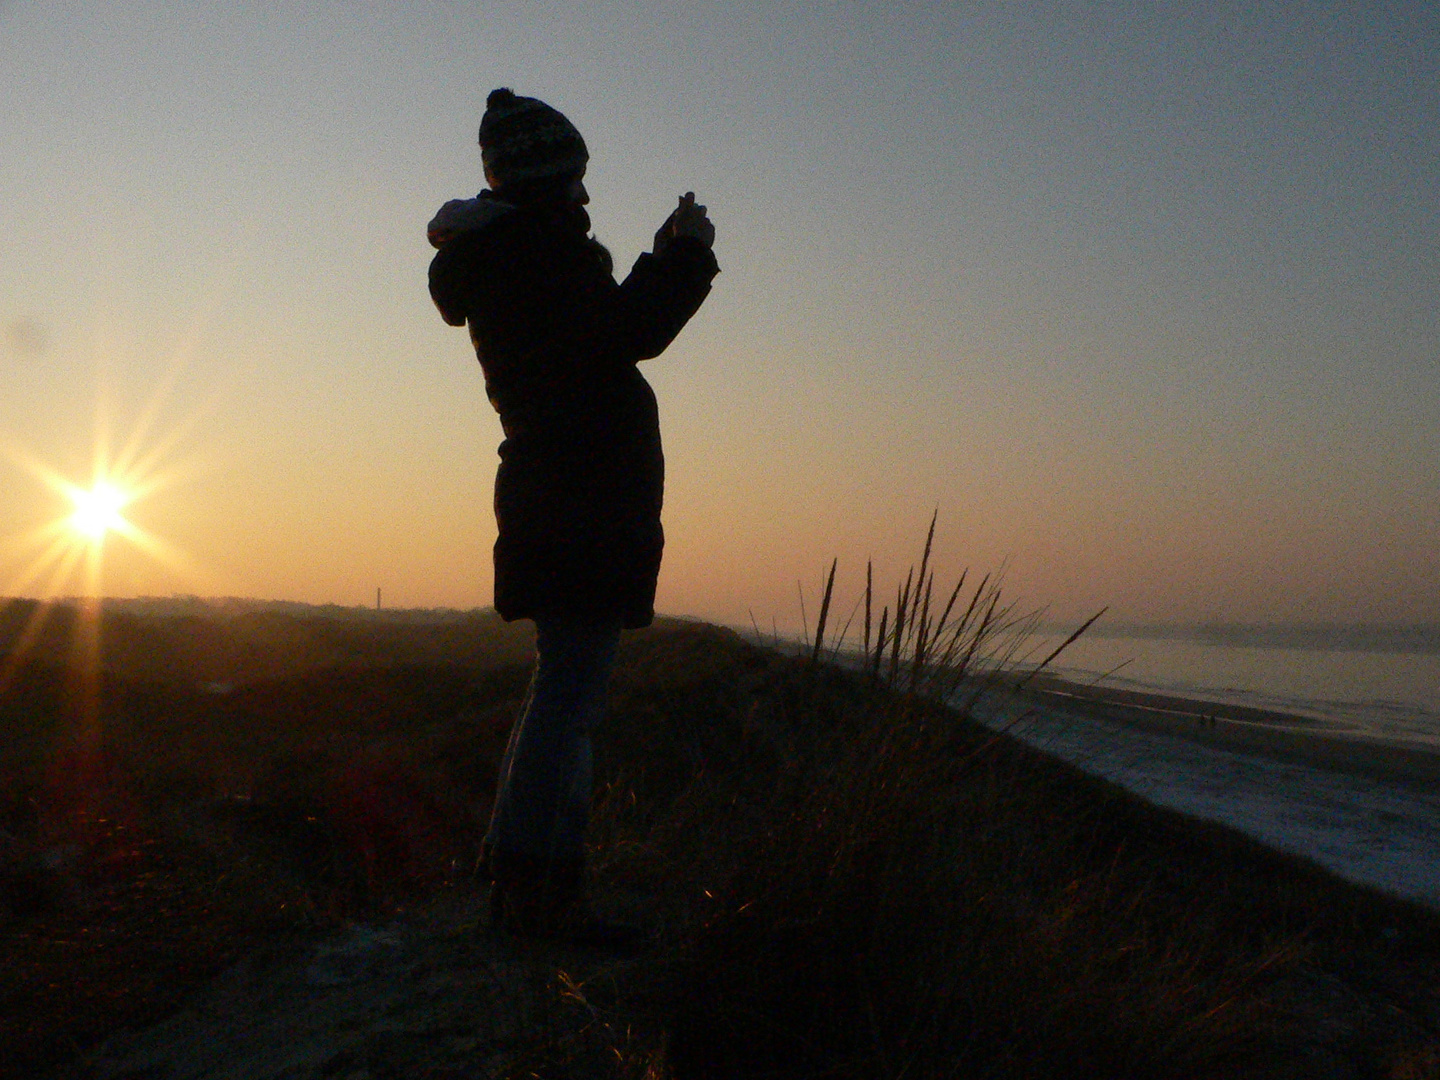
(861, 882)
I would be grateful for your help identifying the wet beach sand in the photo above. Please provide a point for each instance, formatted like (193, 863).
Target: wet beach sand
(1324, 744)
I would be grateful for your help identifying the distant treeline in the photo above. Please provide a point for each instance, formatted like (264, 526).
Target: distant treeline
(1353, 637)
(230, 606)
(226, 643)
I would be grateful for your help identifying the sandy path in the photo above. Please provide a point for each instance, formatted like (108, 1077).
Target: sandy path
(425, 997)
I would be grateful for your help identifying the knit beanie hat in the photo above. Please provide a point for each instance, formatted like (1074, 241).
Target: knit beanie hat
(522, 139)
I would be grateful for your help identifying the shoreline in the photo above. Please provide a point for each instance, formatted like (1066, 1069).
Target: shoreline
(1244, 729)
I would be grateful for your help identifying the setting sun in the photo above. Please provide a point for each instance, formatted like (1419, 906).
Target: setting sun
(70, 550)
(97, 511)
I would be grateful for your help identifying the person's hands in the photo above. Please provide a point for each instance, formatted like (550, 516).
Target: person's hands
(691, 220)
(688, 219)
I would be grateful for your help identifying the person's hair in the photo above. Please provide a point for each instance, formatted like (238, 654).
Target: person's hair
(602, 255)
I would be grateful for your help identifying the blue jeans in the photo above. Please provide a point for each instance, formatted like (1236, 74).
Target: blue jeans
(542, 797)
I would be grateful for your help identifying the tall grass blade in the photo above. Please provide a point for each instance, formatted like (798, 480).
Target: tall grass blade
(869, 583)
(898, 635)
(925, 562)
(945, 618)
(824, 613)
(918, 665)
(1061, 648)
(837, 642)
(958, 636)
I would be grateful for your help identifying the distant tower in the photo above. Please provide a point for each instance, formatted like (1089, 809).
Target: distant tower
(377, 597)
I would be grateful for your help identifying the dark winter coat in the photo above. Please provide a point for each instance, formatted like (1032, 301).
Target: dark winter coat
(582, 474)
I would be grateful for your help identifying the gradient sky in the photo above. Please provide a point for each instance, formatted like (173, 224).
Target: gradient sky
(1143, 297)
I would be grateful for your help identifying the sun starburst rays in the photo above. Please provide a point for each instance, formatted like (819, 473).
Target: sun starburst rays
(62, 561)
(96, 514)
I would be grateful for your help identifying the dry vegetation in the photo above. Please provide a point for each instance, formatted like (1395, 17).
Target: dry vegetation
(843, 878)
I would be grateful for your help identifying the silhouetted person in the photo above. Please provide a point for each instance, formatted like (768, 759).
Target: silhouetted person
(581, 477)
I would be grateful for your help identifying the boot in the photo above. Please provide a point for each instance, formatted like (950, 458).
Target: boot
(542, 899)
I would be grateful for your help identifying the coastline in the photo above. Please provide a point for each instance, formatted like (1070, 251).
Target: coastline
(1266, 733)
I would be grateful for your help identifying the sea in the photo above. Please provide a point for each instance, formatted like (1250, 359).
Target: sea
(1372, 831)
(1371, 683)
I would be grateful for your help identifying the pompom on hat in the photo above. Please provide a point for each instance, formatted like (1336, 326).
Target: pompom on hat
(523, 140)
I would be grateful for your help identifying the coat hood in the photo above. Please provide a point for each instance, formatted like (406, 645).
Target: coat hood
(464, 215)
